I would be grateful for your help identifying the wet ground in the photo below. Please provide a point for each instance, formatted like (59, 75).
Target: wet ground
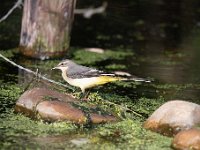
(168, 72)
(158, 40)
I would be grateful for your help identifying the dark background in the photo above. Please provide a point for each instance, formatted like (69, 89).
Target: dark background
(142, 25)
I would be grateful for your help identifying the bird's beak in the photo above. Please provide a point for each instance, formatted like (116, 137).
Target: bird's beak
(54, 68)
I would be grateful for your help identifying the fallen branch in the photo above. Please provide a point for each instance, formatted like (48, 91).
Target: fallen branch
(17, 4)
(35, 73)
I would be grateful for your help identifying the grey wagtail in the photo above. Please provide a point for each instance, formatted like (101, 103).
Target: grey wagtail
(85, 77)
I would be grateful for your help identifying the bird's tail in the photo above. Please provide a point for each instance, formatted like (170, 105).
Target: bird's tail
(135, 79)
(124, 76)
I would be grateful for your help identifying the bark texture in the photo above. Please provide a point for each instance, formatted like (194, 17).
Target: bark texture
(46, 27)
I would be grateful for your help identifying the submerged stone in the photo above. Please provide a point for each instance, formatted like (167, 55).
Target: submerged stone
(173, 117)
(80, 141)
(49, 105)
(188, 139)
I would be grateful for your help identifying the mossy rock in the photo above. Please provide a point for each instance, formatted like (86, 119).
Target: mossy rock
(49, 105)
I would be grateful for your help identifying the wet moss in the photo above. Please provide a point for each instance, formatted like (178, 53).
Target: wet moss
(115, 67)
(129, 134)
(22, 125)
(123, 99)
(9, 92)
(85, 57)
(9, 53)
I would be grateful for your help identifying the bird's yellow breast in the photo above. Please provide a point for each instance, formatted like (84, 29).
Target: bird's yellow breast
(85, 83)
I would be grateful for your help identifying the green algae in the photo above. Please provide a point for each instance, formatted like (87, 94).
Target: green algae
(18, 125)
(89, 58)
(9, 53)
(115, 66)
(9, 92)
(129, 134)
(132, 102)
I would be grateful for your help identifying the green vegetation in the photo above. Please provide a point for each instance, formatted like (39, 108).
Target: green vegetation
(88, 58)
(131, 102)
(126, 134)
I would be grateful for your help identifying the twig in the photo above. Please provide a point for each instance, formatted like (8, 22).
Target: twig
(89, 12)
(125, 108)
(17, 4)
(35, 73)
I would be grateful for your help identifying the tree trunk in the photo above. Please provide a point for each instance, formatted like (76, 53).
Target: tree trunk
(46, 27)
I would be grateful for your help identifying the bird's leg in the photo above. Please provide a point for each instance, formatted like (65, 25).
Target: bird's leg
(87, 93)
(84, 95)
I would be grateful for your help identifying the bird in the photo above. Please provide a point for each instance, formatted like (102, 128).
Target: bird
(86, 77)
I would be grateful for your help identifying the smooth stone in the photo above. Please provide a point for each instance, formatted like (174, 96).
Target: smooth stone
(60, 111)
(31, 98)
(188, 139)
(95, 50)
(173, 117)
(48, 105)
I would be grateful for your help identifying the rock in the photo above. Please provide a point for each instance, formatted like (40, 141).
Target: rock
(188, 139)
(60, 111)
(95, 50)
(174, 116)
(51, 106)
(31, 98)
(96, 118)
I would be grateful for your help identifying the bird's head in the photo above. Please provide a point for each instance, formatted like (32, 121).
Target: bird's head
(64, 65)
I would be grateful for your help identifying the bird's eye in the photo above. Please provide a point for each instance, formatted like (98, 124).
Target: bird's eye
(61, 64)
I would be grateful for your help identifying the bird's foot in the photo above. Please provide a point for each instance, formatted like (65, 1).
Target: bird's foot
(85, 99)
(84, 96)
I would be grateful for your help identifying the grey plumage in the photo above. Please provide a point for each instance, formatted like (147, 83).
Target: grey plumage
(76, 71)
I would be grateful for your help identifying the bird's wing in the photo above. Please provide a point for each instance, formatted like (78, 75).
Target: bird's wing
(87, 73)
